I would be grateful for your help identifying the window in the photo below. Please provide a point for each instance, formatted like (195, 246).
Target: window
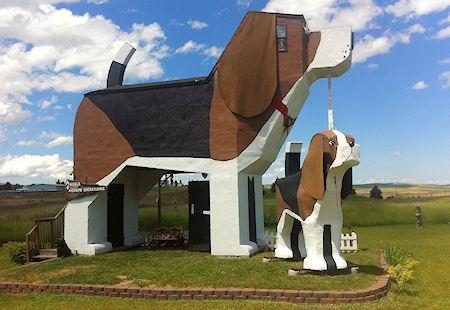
(282, 38)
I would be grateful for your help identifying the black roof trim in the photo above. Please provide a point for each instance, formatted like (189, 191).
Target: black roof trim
(143, 86)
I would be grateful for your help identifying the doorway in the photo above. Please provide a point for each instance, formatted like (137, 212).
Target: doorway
(115, 215)
(199, 216)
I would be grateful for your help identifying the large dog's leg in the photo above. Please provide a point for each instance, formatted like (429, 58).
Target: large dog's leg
(230, 235)
(290, 239)
(259, 212)
(284, 230)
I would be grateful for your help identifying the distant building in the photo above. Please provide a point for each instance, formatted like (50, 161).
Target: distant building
(43, 188)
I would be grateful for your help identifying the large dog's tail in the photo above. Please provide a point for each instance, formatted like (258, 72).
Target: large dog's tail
(119, 64)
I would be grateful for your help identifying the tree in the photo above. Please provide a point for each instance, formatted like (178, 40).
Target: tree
(376, 193)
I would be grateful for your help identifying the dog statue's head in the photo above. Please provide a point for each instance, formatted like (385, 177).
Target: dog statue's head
(330, 152)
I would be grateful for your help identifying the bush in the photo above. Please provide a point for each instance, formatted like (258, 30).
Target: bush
(400, 264)
(403, 272)
(17, 252)
(376, 193)
(394, 255)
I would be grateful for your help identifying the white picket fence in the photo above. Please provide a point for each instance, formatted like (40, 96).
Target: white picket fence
(349, 242)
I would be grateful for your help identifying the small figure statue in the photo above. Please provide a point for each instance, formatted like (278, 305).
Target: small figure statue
(418, 213)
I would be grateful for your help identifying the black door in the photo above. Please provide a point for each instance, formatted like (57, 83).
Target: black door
(199, 222)
(115, 214)
(251, 210)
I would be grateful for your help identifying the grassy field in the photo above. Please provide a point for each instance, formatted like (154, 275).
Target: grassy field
(406, 191)
(428, 290)
(17, 212)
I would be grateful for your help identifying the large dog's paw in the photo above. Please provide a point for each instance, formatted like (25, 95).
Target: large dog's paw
(283, 252)
(341, 263)
(315, 263)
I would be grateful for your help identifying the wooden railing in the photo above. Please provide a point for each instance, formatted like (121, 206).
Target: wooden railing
(45, 233)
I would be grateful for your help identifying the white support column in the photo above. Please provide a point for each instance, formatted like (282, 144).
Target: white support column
(229, 211)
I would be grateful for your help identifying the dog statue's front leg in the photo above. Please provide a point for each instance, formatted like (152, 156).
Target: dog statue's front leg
(322, 231)
(230, 217)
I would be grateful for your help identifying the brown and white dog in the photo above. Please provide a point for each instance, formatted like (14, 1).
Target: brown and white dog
(230, 124)
(309, 202)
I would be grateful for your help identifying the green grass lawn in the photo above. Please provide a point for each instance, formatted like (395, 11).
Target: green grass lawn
(377, 223)
(428, 290)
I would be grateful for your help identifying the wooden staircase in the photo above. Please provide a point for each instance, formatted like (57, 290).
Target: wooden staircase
(41, 240)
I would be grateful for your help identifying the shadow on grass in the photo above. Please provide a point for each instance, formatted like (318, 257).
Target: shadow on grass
(370, 269)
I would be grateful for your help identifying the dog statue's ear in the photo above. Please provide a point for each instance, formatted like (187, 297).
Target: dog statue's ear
(313, 174)
(247, 69)
(347, 184)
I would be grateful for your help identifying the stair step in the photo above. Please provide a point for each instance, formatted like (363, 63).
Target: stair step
(48, 251)
(43, 256)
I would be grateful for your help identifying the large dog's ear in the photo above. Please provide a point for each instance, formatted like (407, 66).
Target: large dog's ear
(313, 170)
(247, 70)
(347, 184)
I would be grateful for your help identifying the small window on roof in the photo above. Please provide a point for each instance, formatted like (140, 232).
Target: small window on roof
(282, 38)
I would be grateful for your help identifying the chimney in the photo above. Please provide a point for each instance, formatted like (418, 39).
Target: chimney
(292, 159)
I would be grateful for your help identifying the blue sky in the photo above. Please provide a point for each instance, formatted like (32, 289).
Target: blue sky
(395, 100)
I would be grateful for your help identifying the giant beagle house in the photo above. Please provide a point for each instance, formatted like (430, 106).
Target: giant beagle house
(229, 125)
(309, 203)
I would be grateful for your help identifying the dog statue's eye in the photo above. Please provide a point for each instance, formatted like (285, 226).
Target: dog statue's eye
(332, 142)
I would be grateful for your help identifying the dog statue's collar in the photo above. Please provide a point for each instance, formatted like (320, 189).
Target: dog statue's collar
(283, 109)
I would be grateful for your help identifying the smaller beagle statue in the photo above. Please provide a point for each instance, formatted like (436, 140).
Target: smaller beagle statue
(309, 203)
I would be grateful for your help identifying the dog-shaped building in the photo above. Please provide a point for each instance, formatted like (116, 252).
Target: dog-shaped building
(229, 125)
(309, 202)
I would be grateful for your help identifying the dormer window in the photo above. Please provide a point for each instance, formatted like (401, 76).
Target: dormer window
(282, 38)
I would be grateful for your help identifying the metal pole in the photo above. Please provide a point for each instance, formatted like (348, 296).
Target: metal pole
(158, 224)
(330, 106)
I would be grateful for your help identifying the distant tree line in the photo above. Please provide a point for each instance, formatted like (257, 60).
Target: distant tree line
(9, 187)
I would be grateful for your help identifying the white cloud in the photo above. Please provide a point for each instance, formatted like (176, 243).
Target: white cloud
(321, 14)
(43, 47)
(414, 8)
(397, 154)
(62, 140)
(190, 47)
(372, 66)
(97, 2)
(46, 118)
(445, 77)
(49, 134)
(445, 61)
(244, 3)
(445, 20)
(196, 24)
(276, 170)
(419, 85)
(194, 47)
(45, 104)
(3, 136)
(444, 33)
(370, 46)
(213, 52)
(35, 166)
(12, 112)
(27, 143)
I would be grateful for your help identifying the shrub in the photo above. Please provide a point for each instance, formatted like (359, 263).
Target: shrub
(17, 252)
(376, 193)
(394, 255)
(403, 272)
(400, 264)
